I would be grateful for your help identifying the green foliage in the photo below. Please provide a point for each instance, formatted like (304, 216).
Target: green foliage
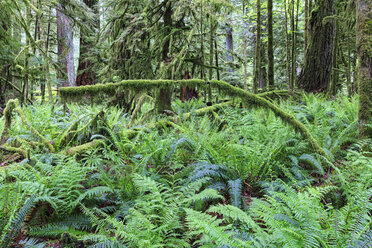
(251, 182)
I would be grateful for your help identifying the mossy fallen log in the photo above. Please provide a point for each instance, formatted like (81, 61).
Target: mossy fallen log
(223, 88)
(84, 147)
(19, 150)
(8, 112)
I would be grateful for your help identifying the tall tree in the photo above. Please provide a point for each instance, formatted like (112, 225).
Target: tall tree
(257, 70)
(86, 74)
(229, 45)
(316, 73)
(364, 47)
(270, 48)
(287, 66)
(65, 45)
(165, 94)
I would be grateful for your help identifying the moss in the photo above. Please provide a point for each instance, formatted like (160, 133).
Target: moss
(24, 152)
(261, 102)
(364, 47)
(76, 93)
(83, 148)
(223, 87)
(140, 102)
(207, 110)
(277, 94)
(14, 105)
(68, 134)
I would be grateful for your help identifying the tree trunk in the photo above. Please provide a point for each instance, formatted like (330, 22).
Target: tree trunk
(229, 46)
(364, 48)
(334, 82)
(270, 47)
(306, 31)
(165, 94)
(216, 58)
(65, 47)
(258, 49)
(85, 74)
(287, 44)
(316, 73)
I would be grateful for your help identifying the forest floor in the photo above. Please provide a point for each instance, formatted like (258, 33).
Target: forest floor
(232, 177)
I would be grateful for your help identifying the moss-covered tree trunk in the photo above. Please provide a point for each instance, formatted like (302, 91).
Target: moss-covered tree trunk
(258, 49)
(165, 94)
(86, 74)
(65, 47)
(287, 67)
(306, 10)
(364, 47)
(316, 73)
(270, 48)
(229, 46)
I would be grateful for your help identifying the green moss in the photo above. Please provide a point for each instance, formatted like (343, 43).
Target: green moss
(223, 87)
(14, 105)
(24, 152)
(83, 148)
(206, 110)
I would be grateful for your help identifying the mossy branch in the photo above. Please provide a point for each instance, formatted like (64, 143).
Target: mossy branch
(206, 110)
(143, 85)
(277, 94)
(261, 102)
(24, 152)
(83, 148)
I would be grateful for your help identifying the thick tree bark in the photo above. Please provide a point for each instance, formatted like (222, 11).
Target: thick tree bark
(364, 47)
(270, 48)
(316, 73)
(85, 74)
(65, 47)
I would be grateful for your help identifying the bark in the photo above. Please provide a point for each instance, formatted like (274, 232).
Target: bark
(229, 46)
(65, 47)
(211, 54)
(258, 49)
(364, 48)
(86, 74)
(286, 43)
(216, 58)
(165, 94)
(270, 48)
(263, 72)
(316, 73)
(306, 30)
(334, 82)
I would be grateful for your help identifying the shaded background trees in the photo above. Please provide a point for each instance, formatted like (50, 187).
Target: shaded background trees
(292, 44)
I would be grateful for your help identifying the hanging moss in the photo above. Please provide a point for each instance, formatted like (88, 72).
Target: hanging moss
(14, 105)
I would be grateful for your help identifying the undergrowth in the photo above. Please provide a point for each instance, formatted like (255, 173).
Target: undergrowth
(229, 178)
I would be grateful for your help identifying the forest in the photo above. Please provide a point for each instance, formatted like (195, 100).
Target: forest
(185, 123)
